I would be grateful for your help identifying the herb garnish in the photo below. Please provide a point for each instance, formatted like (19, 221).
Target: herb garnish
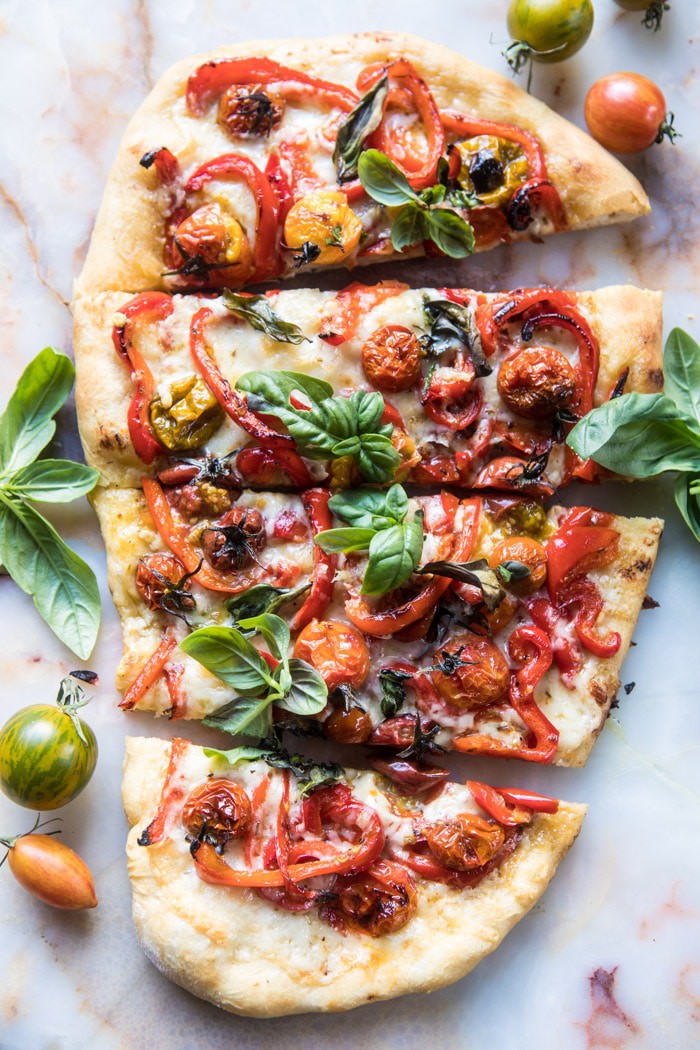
(476, 573)
(421, 216)
(63, 587)
(256, 310)
(312, 774)
(331, 427)
(393, 685)
(451, 327)
(262, 598)
(227, 653)
(640, 435)
(378, 525)
(359, 123)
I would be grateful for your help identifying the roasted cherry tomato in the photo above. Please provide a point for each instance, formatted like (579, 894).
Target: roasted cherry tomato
(626, 113)
(526, 552)
(391, 358)
(470, 671)
(378, 901)
(464, 841)
(325, 219)
(491, 167)
(236, 539)
(451, 399)
(536, 381)
(163, 583)
(214, 238)
(217, 811)
(47, 753)
(249, 110)
(201, 499)
(351, 726)
(552, 29)
(51, 871)
(337, 651)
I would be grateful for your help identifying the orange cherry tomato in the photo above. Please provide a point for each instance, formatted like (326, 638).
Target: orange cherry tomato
(475, 672)
(337, 651)
(536, 381)
(527, 552)
(465, 841)
(626, 113)
(217, 811)
(52, 872)
(353, 726)
(391, 358)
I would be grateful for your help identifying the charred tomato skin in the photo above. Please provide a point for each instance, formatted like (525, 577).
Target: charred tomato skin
(391, 358)
(235, 540)
(336, 650)
(378, 901)
(149, 584)
(217, 810)
(480, 678)
(537, 381)
(248, 110)
(465, 841)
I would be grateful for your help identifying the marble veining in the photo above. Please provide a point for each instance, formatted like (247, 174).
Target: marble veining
(610, 958)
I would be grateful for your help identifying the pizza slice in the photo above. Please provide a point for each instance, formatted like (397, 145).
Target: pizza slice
(271, 889)
(373, 383)
(270, 158)
(484, 625)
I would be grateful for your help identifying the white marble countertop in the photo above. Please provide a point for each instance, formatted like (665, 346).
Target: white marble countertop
(610, 958)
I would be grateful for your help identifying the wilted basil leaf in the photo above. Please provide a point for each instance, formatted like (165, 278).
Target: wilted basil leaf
(359, 123)
(257, 311)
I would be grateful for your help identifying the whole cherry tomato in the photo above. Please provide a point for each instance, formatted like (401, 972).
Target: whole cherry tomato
(653, 10)
(51, 871)
(552, 29)
(626, 113)
(391, 358)
(337, 651)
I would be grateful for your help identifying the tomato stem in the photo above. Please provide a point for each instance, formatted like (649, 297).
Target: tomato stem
(666, 129)
(10, 841)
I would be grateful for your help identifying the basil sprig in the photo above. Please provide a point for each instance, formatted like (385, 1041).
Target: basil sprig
(640, 435)
(359, 123)
(262, 598)
(424, 216)
(63, 587)
(227, 653)
(256, 310)
(331, 427)
(476, 573)
(451, 327)
(377, 525)
(311, 775)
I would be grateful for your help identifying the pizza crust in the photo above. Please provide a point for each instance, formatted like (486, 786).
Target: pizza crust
(247, 956)
(126, 247)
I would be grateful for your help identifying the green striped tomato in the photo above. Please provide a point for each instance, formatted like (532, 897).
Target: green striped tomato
(43, 762)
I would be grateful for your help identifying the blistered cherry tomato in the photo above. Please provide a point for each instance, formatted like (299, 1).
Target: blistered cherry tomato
(526, 552)
(626, 113)
(214, 236)
(248, 110)
(553, 29)
(217, 811)
(391, 358)
(158, 576)
(536, 381)
(337, 651)
(353, 726)
(475, 672)
(325, 219)
(235, 540)
(464, 841)
(378, 901)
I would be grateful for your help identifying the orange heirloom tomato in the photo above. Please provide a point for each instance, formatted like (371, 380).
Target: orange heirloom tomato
(479, 673)
(325, 219)
(464, 842)
(246, 110)
(626, 113)
(214, 236)
(217, 811)
(160, 576)
(391, 358)
(536, 381)
(353, 726)
(337, 651)
(52, 872)
(529, 553)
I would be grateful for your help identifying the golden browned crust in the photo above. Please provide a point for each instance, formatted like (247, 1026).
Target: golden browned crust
(627, 322)
(126, 248)
(243, 954)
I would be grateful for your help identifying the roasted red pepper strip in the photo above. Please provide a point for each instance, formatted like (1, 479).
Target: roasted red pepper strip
(573, 550)
(213, 78)
(147, 308)
(584, 594)
(150, 672)
(231, 400)
(166, 164)
(280, 184)
(420, 172)
(510, 807)
(258, 466)
(176, 536)
(530, 799)
(389, 621)
(172, 795)
(234, 165)
(316, 505)
(352, 304)
(415, 778)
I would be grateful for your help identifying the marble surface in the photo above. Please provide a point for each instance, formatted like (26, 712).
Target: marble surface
(610, 958)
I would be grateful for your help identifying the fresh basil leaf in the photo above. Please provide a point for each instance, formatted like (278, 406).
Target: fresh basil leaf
(26, 425)
(512, 570)
(349, 447)
(378, 460)
(476, 573)
(53, 481)
(368, 410)
(394, 554)
(450, 232)
(247, 716)
(382, 180)
(682, 372)
(62, 586)
(393, 685)
(452, 328)
(273, 629)
(359, 123)
(318, 775)
(231, 657)
(688, 502)
(637, 435)
(262, 598)
(434, 194)
(257, 311)
(308, 692)
(360, 507)
(344, 541)
(410, 227)
(279, 386)
(397, 503)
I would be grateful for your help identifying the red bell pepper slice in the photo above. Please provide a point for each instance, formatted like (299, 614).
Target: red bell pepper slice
(259, 465)
(503, 473)
(150, 672)
(510, 807)
(320, 518)
(231, 400)
(415, 778)
(146, 308)
(234, 165)
(573, 550)
(280, 184)
(166, 164)
(213, 78)
(352, 304)
(389, 621)
(171, 796)
(584, 594)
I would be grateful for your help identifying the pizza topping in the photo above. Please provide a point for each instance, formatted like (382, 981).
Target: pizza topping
(491, 167)
(378, 901)
(216, 812)
(235, 541)
(349, 725)
(451, 399)
(186, 415)
(391, 358)
(323, 218)
(316, 506)
(521, 563)
(536, 382)
(272, 466)
(337, 651)
(249, 111)
(469, 672)
(211, 239)
(163, 583)
(412, 776)
(463, 842)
